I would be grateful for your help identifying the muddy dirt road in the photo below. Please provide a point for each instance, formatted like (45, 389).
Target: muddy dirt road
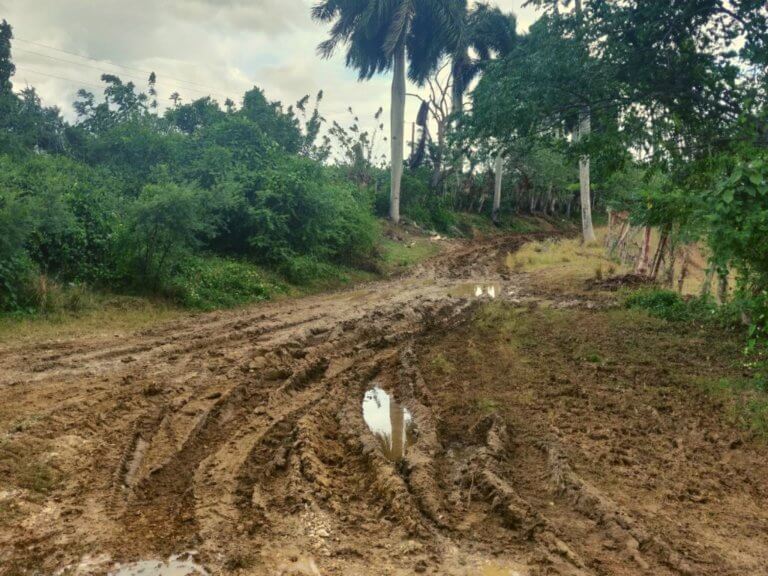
(241, 443)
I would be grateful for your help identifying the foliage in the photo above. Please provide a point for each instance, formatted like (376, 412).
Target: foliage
(210, 283)
(669, 305)
(180, 203)
(165, 224)
(419, 202)
(739, 219)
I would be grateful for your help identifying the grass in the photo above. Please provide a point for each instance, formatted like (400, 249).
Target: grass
(107, 314)
(746, 403)
(565, 263)
(9, 512)
(398, 255)
(442, 364)
(36, 476)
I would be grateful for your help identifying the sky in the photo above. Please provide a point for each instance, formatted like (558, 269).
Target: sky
(196, 48)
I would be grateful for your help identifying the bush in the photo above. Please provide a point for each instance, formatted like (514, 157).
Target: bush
(293, 209)
(213, 282)
(17, 275)
(418, 202)
(669, 305)
(306, 269)
(164, 225)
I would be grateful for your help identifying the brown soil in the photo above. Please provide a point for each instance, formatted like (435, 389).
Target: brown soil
(554, 436)
(617, 282)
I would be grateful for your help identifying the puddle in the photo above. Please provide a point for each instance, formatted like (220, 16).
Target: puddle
(391, 423)
(475, 290)
(499, 570)
(179, 565)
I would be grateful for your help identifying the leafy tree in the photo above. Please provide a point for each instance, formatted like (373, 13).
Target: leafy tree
(7, 68)
(282, 126)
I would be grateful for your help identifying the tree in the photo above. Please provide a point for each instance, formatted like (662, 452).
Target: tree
(382, 35)
(481, 32)
(7, 67)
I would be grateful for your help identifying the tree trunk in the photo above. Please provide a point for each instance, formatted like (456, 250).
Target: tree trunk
(620, 239)
(706, 286)
(624, 256)
(722, 286)
(457, 90)
(498, 175)
(585, 127)
(669, 273)
(659, 257)
(438, 159)
(683, 269)
(645, 248)
(397, 119)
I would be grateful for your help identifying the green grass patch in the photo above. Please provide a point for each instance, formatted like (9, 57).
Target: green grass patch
(37, 476)
(671, 306)
(213, 282)
(488, 405)
(442, 364)
(399, 255)
(746, 402)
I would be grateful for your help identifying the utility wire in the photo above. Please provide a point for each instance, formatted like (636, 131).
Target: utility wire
(78, 82)
(161, 79)
(147, 72)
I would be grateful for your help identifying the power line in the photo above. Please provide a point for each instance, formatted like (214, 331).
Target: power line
(147, 72)
(78, 82)
(161, 79)
(71, 80)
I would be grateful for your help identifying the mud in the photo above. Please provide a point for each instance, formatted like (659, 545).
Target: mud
(242, 435)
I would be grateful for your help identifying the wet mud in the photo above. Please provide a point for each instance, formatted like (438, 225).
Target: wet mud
(320, 436)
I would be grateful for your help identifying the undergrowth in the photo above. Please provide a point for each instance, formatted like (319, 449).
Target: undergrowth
(669, 305)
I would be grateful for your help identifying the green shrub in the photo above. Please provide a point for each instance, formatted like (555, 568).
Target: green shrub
(418, 202)
(304, 270)
(294, 209)
(669, 305)
(17, 276)
(213, 282)
(165, 223)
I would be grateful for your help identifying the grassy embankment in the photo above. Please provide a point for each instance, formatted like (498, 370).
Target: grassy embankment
(648, 324)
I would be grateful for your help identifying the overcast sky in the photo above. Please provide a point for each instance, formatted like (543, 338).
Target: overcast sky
(196, 47)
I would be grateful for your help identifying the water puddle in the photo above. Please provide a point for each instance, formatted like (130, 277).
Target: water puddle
(391, 423)
(475, 290)
(501, 570)
(178, 565)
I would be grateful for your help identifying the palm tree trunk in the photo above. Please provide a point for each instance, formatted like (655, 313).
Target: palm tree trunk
(397, 120)
(498, 175)
(457, 98)
(585, 127)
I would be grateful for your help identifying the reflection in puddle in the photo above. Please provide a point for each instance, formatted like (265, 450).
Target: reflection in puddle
(391, 423)
(476, 290)
(180, 565)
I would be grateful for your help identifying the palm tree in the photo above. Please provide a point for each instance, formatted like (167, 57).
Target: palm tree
(485, 31)
(482, 30)
(380, 35)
